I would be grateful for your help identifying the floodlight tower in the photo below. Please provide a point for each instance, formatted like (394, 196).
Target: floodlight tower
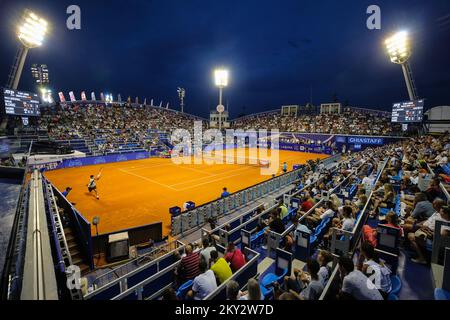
(181, 95)
(31, 32)
(221, 80)
(399, 50)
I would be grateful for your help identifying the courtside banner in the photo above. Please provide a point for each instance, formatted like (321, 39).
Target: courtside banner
(366, 140)
(310, 148)
(88, 161)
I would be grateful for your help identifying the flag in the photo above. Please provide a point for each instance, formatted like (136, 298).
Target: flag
(83, 96)
(93, 96)
(72, 96)
(119, 98)
(102, 96)
(61, 97)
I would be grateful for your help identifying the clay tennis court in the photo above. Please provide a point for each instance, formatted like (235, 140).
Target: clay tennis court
(140, 192)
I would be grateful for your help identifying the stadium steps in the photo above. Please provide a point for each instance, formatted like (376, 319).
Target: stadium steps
(75, 253)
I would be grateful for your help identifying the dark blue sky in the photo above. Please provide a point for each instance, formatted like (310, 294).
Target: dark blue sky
(275, 50)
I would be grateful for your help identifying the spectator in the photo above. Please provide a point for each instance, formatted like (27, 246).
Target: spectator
(355, 285)
(371, 265)
(170, 295)
(188, 268)
(232, 290)
(313, 285)
(205, 253)
(254, 291)
(324, 258)
(426, 232)
(220, 267)
(204, 283)
(234, 257)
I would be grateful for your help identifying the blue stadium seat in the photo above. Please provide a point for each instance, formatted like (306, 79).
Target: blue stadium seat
(271, 278)
(392, 297)
(266, 292)
(441, 294)
(183, 289)
(396, 285)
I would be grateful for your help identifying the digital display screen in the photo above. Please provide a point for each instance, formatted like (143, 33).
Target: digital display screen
(408, 111)
(20, 103)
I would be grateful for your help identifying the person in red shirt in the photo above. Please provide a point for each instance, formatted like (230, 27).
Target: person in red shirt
(234, 257)
(307, 204)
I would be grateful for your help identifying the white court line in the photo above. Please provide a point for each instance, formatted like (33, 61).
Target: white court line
(149, 167)
(202, 178)
(150, 180)
(200, 184)
(183, 166)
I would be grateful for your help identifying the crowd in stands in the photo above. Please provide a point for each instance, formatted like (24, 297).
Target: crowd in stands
(111, 126)
(349, 121)
(401, 186)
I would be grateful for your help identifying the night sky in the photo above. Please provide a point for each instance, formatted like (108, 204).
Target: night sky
(276, 51)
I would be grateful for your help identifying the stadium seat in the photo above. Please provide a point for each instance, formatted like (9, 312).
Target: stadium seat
(396, 285)
(267, 293)
(183, 289)
(392, 297)
(441, 294)
(271, 278)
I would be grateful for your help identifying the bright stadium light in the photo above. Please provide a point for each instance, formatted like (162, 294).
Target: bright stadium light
(221, 81)
(399, 49)
(221, 77)
(31, 32)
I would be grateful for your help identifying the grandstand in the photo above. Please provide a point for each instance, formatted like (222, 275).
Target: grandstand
(113, 200)
(278, 224)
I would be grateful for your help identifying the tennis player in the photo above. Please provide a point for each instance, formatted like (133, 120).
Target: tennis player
(92, 186)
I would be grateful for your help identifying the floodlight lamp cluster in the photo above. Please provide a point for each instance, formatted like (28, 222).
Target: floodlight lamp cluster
(221, 77)
(32, 30)
(399, 47)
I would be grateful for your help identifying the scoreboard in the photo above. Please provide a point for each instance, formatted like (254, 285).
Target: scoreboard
(408, 111)
(21, 103)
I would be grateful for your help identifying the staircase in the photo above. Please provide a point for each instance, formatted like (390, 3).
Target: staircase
(74, 250)
(93, 148)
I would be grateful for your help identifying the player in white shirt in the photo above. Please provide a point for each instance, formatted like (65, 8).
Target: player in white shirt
(92, 186)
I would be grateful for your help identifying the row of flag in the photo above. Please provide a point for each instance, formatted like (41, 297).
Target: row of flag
(103, 98)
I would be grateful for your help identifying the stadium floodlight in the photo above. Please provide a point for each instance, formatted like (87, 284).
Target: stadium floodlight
(399, 49)
(181, 95)
(221, 80)
(46, 95)
(31, 32)
(221, 77)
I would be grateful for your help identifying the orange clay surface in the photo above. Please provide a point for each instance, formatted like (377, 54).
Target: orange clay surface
(140, 192)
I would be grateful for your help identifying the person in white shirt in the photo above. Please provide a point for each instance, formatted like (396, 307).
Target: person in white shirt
(204, 283)
(355, 284)
(324, 258)
(373, 267)
(205, 253)
(426, 232)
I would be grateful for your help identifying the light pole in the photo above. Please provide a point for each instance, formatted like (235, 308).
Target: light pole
(399, 50)
(221, 80)
(181, 95)
(31, 32)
